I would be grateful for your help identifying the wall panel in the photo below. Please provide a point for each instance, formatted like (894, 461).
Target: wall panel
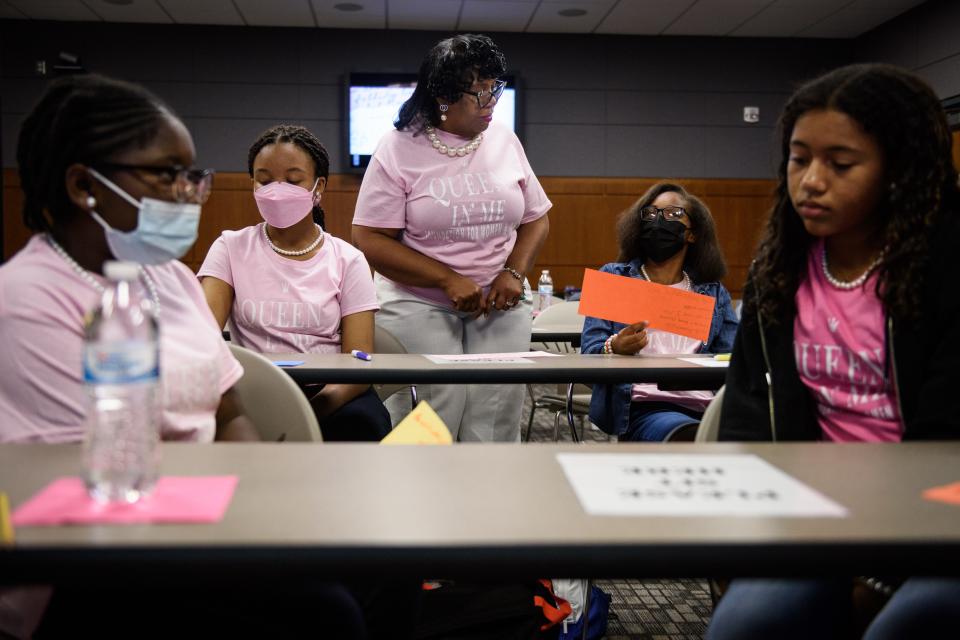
(582, 221)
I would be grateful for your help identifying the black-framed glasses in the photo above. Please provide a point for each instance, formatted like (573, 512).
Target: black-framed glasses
(188, 185)
(669, 213)
(485, 97)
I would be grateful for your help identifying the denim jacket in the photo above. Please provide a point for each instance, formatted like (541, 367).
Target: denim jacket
(610, 403)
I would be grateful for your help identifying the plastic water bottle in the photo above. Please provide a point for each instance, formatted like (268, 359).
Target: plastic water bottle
(544, 290)
(121, 372)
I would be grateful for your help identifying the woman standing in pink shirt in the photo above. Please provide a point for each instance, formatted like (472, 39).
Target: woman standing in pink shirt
(451, 216)
(849, 322)
(285, 285)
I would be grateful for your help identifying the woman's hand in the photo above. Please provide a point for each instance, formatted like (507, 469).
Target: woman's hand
(631, 339)
(464, 293)
(505, 292)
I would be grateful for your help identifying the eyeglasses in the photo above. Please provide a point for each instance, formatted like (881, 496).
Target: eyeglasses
(188, 185)
(669, 213)
(485, 97)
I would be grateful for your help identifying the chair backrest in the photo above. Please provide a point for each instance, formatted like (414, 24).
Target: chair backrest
(278, 408)
(709, 429)
(562, 315)
(386, 342)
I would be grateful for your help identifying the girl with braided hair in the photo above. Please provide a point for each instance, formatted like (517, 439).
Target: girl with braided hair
(106, 174)
(849, 324)
(286, 285)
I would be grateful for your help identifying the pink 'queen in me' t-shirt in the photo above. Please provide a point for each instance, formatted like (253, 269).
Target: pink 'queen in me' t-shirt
(42, 305)
(282, 305)
(463, 211)
(838, 341)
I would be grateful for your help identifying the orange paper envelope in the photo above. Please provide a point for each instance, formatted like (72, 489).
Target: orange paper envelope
(949, 493)
(628, 300)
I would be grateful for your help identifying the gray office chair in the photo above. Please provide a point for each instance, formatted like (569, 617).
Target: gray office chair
(709, 429)
(386, 342)
(273, 401)
(572, 400)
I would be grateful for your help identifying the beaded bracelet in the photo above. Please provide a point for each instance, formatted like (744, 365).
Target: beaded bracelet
(608, 344)
(516, 274)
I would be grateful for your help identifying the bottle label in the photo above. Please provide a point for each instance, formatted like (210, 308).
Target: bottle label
(120, 363)
(546, 288)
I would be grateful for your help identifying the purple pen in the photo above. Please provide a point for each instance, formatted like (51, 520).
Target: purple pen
(361, 355)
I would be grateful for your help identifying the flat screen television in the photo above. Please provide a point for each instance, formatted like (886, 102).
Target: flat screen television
(373, 101)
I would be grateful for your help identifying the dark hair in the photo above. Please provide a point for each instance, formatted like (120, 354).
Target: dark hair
(905, 118)
(446, 72)
(79, 119)
(308, 142)
(704, 260)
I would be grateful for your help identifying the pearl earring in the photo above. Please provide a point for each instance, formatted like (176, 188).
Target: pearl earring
(443, 117)
(443, 114)
(91, 202)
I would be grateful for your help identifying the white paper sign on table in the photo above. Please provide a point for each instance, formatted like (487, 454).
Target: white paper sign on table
(518, 357)
(625, 484)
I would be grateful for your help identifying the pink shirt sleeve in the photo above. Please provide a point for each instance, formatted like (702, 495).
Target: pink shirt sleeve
(359, 293)
(382, 201)
(217, 262)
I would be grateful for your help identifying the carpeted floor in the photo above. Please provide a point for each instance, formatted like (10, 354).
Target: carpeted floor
(639, 609)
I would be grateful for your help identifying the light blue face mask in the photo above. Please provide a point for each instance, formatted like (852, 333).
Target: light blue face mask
(165, 230)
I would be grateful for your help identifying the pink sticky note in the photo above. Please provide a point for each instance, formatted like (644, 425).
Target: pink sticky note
(175, 499)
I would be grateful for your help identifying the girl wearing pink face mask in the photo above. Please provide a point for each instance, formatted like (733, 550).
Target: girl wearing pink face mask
(285, 285)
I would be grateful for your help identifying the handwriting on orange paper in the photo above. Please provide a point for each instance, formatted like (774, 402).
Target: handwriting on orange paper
(629, 300)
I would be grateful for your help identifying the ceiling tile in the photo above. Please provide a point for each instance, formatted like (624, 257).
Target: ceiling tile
(715, 17)
(206, 12)
(66, 10)
(496, 15)
(548, 20)
(423, 14)
(848, 23)
(778, 22)
(136, 12)
(643, 16)
(276, 13)
(8, 12)
(372, 16)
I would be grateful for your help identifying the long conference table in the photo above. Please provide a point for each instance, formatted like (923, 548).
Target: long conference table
(488, 511)
(408, 368)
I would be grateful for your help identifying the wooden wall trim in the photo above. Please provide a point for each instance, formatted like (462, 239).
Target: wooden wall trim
(582, 221)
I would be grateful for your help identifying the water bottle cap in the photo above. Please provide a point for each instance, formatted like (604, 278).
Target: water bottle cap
(121, 271)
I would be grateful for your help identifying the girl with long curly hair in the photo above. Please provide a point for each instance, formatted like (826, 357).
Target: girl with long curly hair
(850, 319)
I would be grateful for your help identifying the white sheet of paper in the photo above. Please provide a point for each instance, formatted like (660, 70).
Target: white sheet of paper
(513, 357)
(707, 362)
(480, 358)
(677, 485)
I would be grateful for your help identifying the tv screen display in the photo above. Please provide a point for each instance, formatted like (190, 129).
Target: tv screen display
(373, 101)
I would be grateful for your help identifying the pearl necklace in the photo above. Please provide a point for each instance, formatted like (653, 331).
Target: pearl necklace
(686, 284)
(87, 277)
(453, 152)
(299, 252)
(853, 284)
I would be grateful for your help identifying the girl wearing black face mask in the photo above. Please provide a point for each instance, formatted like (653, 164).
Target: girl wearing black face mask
(666, 237)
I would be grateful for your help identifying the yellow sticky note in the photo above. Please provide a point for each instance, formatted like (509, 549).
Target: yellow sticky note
(6, 524)
(421, 426)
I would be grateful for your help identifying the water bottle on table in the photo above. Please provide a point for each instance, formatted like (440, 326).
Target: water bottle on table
(121, 452)
(544, 290)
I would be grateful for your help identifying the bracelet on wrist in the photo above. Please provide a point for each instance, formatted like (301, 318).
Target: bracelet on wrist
(608, 344)
(516, 274)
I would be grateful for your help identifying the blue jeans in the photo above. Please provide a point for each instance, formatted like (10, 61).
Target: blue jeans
(795, 608)
(654, 421)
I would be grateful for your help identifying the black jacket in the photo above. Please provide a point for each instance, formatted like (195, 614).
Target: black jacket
(924, 355)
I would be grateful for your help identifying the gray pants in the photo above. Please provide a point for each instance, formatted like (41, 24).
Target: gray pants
(473, 412)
